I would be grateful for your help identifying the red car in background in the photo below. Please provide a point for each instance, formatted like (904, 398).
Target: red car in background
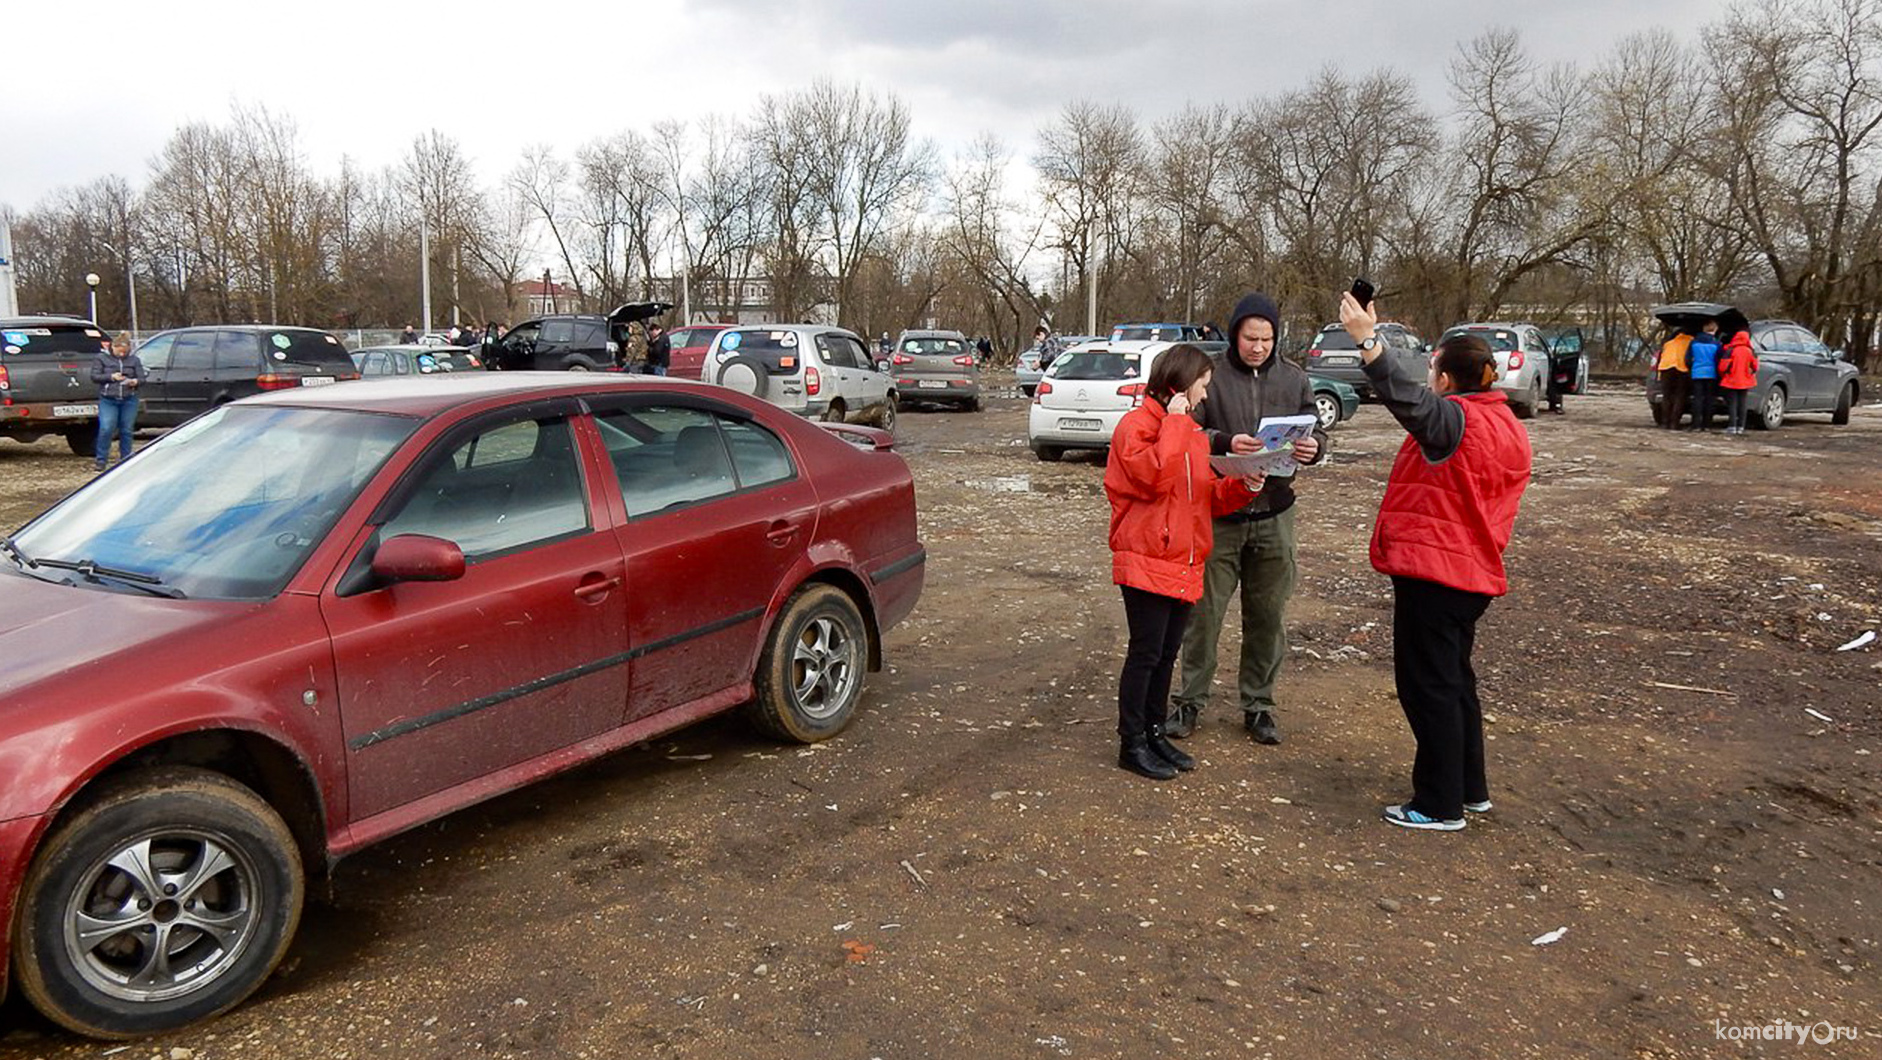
(686, 356)
(306, 621)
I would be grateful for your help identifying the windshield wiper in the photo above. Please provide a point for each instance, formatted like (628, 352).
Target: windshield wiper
(12, 552)
(149, 583)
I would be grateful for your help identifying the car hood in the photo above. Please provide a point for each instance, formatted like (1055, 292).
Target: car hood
(52, 631)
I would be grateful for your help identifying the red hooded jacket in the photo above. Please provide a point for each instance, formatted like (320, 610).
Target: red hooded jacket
(1163, 496)
(1738, 363)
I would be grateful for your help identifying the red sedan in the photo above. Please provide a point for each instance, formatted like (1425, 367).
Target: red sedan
(306, 621)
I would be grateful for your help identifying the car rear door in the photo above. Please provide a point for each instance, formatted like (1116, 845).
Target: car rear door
(714, 515)
(188, 378)
(1817, 365)
(870, 385)
(449, 683)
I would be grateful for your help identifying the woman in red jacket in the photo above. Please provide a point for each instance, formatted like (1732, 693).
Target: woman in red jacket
(1738, 373)
(1449, 507)
(1163, 495)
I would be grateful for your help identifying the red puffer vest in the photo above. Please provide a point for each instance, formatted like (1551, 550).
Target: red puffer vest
(1738, 364)
(1449, 522)
(1163, 497)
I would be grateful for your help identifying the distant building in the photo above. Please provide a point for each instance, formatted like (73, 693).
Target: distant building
(540, 299)
(745, 300)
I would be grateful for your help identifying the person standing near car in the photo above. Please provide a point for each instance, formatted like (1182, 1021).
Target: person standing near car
(1738, 373)
(1163, 494)
(1674, 377)
(1253, 546)
(118, 373)
(408, 337)
(1702, 364)
(659, 348)
(1449, 508)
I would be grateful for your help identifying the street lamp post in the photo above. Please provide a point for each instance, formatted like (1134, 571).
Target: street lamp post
(91, 283)
(130, 280)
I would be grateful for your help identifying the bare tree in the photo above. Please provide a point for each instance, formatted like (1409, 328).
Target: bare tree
(1086, 163)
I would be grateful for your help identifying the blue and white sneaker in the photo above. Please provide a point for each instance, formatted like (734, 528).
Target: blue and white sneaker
(1478, 807)
(1406, 817)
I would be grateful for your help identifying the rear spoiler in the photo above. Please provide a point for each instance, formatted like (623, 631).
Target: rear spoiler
(882, 441)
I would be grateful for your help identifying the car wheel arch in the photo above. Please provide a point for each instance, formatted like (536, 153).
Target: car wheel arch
(852, 584)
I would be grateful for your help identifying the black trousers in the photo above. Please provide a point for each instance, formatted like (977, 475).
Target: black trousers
(1735, 407)
(1704, 393)
(1156, 636)
(1434, 628)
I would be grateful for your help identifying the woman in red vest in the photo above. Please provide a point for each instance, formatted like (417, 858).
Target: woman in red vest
(1449, 507)
(1163, 497)
(1738, 374)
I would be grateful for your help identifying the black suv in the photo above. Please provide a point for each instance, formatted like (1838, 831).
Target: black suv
(45, 379)
(1334, 354)
(572, 342)
(194, 369)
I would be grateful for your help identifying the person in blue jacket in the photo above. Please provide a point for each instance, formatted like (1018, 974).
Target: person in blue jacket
(1703, 359)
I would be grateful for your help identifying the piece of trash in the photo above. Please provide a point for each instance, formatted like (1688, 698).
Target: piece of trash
(1863, 641)
(1823, 616)
(688, 758)
(857, 952)
(1819, 715)
(919, 882)
(844, 926)
(1549, 937)
(1777, 894)
(831, 807)
(1692, 688)
(1280, 801)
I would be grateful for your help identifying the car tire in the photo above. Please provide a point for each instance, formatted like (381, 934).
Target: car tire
(835, 413)
(1326, 409)
(811, 675)
(1526, 408)
(1770, 414)
(83, 442)
(1844, 403)
(577, 364)
(744, 375)
(885, 414)
(1051, 454)
(971, 405)
(176, 819)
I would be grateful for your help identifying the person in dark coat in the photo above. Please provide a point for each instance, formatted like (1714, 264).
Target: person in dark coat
(1254, 546)
(659, 348)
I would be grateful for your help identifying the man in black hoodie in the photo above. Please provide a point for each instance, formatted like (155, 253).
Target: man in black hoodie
(1254, 548)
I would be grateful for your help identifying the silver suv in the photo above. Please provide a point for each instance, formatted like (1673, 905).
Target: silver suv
(819, 372)
(937, 366)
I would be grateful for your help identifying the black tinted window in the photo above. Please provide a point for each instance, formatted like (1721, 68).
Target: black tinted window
(56, 339)
(836, 353)
(238, 351)
(1096, 364)
(1337, 339)
(195, 351)
(156, 352)
(558, 332)
(776, 350)
(306, 349)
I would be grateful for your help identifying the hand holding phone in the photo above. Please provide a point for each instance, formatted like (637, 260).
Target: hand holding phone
(1363, 292)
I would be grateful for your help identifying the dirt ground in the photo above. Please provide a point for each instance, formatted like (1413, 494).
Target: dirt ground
(965, 872)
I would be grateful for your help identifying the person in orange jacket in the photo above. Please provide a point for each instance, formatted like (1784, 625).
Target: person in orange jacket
(1163, 496)
(1675, 377)
(1738, 373)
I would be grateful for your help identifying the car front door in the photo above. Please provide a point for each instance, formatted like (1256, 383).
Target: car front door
(715, 516)
(871, 386)
(1818, 365)
(150, 396)
(188, 381)
(445, 683)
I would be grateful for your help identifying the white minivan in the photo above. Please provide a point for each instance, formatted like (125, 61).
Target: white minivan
(819, 372)
(1088, 389)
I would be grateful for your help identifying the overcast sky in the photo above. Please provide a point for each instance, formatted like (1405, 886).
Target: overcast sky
(95, 88)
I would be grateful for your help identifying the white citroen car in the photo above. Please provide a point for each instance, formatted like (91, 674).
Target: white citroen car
(1085, 393)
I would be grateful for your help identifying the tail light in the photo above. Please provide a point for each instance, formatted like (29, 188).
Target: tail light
(474, 362)
(1516, 360)
(278, 382)
(1134, 391)
(6, 387)
(901, 358)
(1313, 353)
(965, 360)
(813, 380)
(1044, 388)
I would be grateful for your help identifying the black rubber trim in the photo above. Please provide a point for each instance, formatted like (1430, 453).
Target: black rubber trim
(426, 721)
(898, 567)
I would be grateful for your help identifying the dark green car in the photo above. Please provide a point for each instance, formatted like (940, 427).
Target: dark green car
(1333, 400)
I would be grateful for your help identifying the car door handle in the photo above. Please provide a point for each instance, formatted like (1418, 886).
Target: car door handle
(594, 587)
(781, 532)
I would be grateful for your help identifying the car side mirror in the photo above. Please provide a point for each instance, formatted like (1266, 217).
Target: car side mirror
(1837, 355)
(418, 558)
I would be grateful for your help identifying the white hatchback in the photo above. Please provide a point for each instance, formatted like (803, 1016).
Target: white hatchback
(1085, 393)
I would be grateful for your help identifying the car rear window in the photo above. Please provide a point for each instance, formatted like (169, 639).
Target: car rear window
(935, 347)
(1095, 364)
(51, 339)
(1500, 340)
(1337, 339)
(778, 351)
(307, 349)
(447, 361)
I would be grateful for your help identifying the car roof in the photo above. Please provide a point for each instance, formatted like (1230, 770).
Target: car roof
(932, 333)
(430, 395)
(408, 347)
(42, 321)
(248, 327)
(1156, 324)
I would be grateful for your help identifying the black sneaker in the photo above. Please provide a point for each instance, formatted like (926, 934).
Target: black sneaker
(1160, 746)
(1260, 725)
(1135, 755)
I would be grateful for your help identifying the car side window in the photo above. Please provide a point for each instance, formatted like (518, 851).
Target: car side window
(373, 363)
(237, 351)
(758, 456)
(194, 351)
(508, 487)
(156, 352)
(666, 457)
(835, 352)
(1810, 344)
(557, 332)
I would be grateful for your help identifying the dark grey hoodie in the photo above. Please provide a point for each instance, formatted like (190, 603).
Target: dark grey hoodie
(1240, 396)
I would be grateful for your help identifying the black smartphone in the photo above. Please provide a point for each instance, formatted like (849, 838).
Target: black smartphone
(1362, 291)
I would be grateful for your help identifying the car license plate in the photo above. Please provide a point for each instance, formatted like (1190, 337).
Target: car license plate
(1082, 425)
(316, 380)
(1338, 360)
(75, 410)
(933, 384)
